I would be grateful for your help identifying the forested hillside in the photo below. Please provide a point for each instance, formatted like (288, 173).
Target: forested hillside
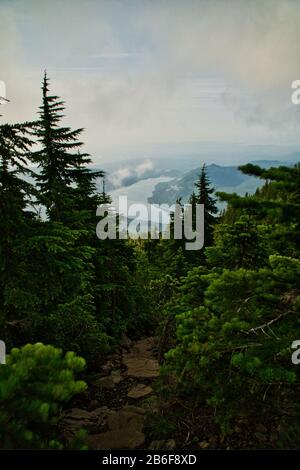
(227, 178)
(141, 343)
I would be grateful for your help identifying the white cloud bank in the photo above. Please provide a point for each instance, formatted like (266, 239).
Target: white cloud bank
(143, 72)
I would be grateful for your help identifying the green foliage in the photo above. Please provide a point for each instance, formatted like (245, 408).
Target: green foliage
(34, 384)
(64, 182)
(240, 244)
(14, 195)
(161, 427)
(204, 195)
(228, 314)
(243, 333)
(58, 283)
(237, 319)
(175, 259)
(53, 299)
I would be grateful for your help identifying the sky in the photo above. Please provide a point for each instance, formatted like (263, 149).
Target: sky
(144, 74)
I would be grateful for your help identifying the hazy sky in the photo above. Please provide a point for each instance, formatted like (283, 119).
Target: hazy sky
(137, 73)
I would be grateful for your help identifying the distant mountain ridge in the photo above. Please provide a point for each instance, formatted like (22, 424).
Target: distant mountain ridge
(223, 178)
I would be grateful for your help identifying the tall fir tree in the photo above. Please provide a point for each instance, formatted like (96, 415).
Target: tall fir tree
(15, 193)
(204, 195)
(63, 180)
(60, 275)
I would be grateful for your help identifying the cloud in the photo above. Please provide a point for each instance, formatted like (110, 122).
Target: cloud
(143, 167)
(125, 176)
(119, 176)
(254, 46)
(135, 73)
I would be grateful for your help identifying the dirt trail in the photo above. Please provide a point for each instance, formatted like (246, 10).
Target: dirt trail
(123, 396)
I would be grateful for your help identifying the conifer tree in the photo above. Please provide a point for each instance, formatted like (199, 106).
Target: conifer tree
(14, 190)
(172, 252)
(57, 270)
(203, 195)
(276, 203)
(15, 193)
(238, 319)
(64, 181)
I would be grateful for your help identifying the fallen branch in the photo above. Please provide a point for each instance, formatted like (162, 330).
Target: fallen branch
(267, 324)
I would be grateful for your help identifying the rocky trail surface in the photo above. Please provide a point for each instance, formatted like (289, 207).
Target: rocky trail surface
(123, 397)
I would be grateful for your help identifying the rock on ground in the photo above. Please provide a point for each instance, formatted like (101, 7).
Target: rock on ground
(110, 381)
(125, 431)
(140, 391)
(140, 362)
(76, 418)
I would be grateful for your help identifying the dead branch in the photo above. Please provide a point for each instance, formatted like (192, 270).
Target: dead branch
(267, 324)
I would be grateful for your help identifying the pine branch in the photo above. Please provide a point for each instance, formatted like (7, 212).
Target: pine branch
(267, 324)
